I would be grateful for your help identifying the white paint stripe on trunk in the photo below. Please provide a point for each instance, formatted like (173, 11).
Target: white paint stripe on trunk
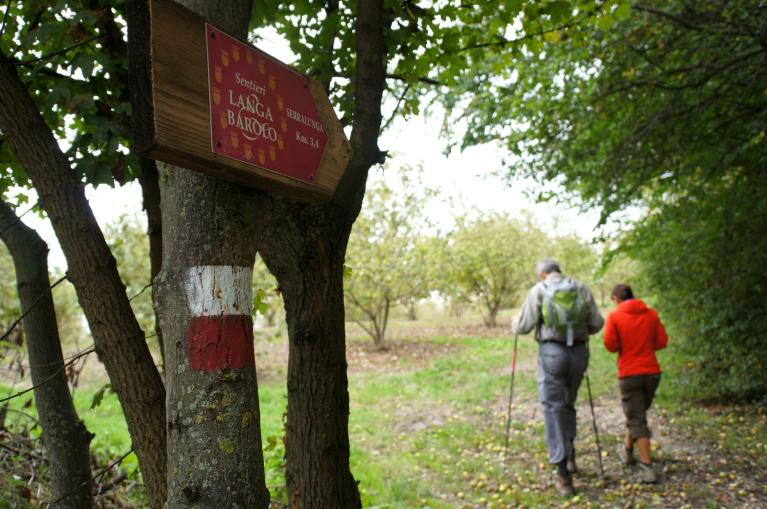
(219, 290)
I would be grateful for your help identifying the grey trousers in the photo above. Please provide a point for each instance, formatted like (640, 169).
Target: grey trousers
(560, 371)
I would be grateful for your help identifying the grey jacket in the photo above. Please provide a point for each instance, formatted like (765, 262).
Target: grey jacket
(531, 312)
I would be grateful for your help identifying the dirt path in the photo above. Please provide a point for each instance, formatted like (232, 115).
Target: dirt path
(693, 474)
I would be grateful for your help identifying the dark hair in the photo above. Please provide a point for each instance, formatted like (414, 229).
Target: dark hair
(623, 292)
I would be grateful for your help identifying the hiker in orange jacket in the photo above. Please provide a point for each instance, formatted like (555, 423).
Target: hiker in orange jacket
(635, 332)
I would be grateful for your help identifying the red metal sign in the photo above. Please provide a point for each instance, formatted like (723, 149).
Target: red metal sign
(261, 111)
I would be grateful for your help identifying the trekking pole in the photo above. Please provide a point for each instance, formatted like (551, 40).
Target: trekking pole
(596, 430)
(511, 393)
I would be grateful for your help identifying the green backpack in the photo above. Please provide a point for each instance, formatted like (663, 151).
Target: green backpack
(563, 311)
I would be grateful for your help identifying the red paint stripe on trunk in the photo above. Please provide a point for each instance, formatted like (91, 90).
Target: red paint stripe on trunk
(220, 342)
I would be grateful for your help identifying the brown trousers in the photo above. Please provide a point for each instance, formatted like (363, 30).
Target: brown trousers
(637, 393)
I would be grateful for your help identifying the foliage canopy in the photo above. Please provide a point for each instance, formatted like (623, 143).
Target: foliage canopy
(662, 106)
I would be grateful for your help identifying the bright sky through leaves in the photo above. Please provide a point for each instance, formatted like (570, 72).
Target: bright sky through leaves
(465, 180)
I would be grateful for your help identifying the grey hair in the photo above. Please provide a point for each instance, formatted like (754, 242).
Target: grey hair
(546, 266)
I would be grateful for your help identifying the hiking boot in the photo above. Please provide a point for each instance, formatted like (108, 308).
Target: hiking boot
(626, 456)
(647, 474)
(572, 466)
(564, 486)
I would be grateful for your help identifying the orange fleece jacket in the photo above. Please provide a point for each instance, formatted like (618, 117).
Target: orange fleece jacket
(635, 332)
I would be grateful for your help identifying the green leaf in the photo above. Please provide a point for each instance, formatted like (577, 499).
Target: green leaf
(272, 441)
(259, 301)
(560, 11)
(85, 63)
(98, 396)
(605, 21)
(623, 11)
(552, 37)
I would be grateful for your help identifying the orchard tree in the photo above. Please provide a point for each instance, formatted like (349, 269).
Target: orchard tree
(616, 267)
(577, 258)
(386, 263)
(490, 261)
(420, 272)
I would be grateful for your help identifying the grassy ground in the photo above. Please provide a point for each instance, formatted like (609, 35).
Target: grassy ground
(427, 428)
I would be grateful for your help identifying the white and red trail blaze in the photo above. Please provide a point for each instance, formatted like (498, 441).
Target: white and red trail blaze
(220, 334)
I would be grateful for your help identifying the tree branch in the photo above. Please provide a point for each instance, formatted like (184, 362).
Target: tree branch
(396, 108)
(683, 22)
(371, 315)
(18, 218)
(5, 18)
(503, 42)
(658, 83)
(363, 327)
(19, 319)
(673, 17)
(59, 52)
(95, 477)
(52, 376)
(36, 20)
(369, 81)
(400, 77)
(51, 363)
(141, 291)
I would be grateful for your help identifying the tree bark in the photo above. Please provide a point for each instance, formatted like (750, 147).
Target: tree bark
(150, 191)
(304, 247)
(306, 253)
(65, 436)
(204, 300)
(214, 437)
(118, 338)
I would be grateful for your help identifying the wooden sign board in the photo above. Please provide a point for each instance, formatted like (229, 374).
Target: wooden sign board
(224, 108)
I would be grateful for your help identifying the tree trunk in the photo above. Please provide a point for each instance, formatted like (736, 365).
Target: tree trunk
(381, 339)
(456, 307)
(412, 314)
(317, 448)
(150, 191)
(304, 247)
(491, 317)
(204, 300)
(118, 338)
(377, 333)
(271, 318)
(65, 437)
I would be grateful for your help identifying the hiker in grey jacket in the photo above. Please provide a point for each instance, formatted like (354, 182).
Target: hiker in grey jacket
(563, 313)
